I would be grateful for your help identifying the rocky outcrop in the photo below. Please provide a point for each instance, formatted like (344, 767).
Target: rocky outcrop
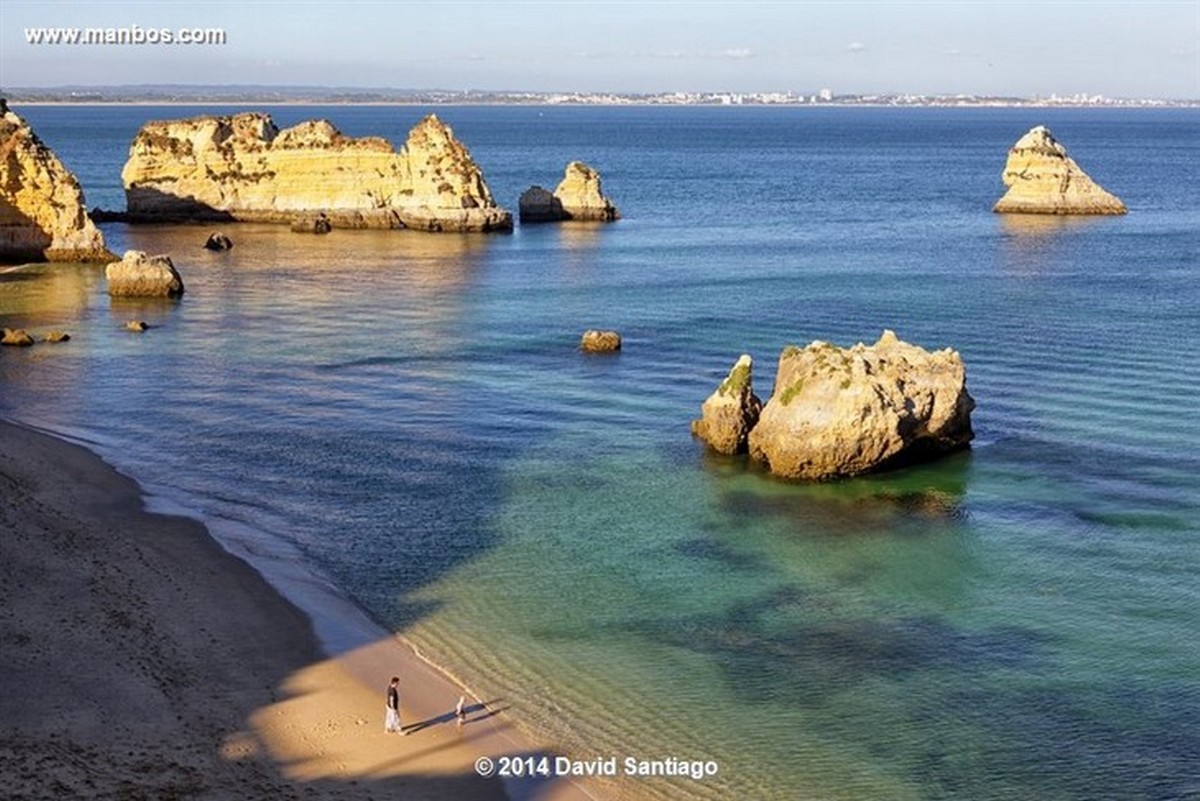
(581, 197)
(845, 411)
(242, 167)
(730, 413)
(56, 336)
(140, 276)
(1042, 179)
(42, 216)
(594, 341)
(218, 241)
(539, 205)
(16, 337)
(136, 326)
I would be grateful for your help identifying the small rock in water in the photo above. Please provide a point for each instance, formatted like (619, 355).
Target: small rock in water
(594, 341)
(136, 325)
(538, 205)
(218, 241)
(57, 336)
(139, 275)
(18, 337)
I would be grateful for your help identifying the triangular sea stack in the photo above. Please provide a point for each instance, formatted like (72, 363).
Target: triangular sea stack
(1042, 179)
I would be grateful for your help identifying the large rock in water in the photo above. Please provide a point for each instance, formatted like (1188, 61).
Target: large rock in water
(140, 276)
(729, 414)
(845, 411)
(242, 167)
(581, 197)
(42, 216)
(1042, 179)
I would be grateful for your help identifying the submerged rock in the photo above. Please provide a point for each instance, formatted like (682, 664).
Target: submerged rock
(312, 224)
(1042, 179)
(730, 413)
(845, 411)
(140, 276)
(57, 336)
(539, 205)
(42, 216)
(594, 341)
(137, 326)
(581, 196)
(16, 337)
(242, 167)
(218, 241)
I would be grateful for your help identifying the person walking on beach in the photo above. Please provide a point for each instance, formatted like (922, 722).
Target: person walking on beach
(391, 723)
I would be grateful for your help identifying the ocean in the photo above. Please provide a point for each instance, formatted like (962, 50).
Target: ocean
(409, 416)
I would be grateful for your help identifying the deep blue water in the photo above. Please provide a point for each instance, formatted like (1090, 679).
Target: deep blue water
(410, 410)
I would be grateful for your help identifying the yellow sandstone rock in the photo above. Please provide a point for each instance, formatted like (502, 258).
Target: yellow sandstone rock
(730, 413)
(42, 216)
(594, 341)
(845, 411)
(242, 167)
(139, 275)
(1042, 179)
(581, 197)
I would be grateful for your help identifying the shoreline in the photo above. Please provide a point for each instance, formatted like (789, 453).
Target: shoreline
(118, 617)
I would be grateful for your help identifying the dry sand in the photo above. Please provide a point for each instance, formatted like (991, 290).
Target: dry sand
(139, 659)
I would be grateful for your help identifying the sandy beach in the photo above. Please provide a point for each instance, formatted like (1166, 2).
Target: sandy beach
(140, 659)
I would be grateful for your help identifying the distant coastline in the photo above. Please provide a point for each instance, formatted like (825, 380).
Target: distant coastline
(304, 95)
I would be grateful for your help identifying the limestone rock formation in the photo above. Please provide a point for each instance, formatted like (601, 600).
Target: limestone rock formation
(140, 276)
(730, 413)
(1042, 179)
(594, 341)
(581, 197)
(242, 167)
(57, 336)
(539, 205)
(17, 337)
(845, 411)
(136, 326)
(42, 216)
(218, 241)
(441, 187)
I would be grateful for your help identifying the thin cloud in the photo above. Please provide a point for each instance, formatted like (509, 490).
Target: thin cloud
(856, 47)
(737, 53)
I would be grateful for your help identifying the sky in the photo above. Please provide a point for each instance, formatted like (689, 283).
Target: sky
(1146, 49)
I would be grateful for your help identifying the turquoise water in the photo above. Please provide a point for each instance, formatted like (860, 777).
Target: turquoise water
(1014, 622)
